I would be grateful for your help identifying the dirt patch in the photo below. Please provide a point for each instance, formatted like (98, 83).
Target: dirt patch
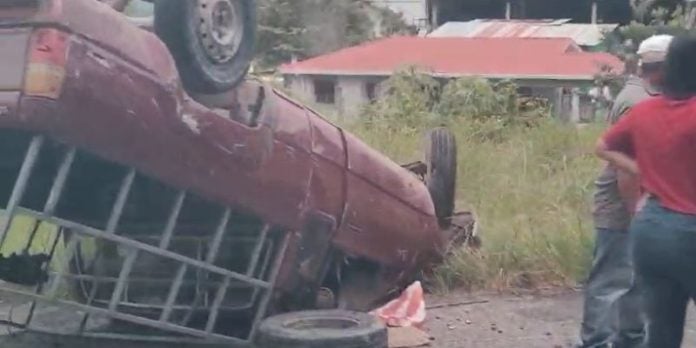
(529, 321)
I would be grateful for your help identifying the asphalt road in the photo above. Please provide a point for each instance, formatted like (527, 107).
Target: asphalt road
(550, 319)
(531, 321)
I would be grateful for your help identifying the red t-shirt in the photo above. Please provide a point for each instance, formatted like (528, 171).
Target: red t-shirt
(661, 135)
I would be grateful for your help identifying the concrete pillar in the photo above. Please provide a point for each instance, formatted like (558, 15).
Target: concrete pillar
(508, 10)
(575, 106)
(557, 101)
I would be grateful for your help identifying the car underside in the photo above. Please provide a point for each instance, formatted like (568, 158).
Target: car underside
(154, 197)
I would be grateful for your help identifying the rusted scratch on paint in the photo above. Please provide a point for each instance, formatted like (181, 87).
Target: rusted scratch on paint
(191, 123)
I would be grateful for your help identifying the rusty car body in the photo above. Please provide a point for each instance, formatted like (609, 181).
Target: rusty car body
(174, 215)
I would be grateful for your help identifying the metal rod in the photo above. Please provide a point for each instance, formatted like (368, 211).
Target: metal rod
(150, 281)
(59, 182)
(121, 200)
(127, 242)
(199, 294)
(129, 318)
(215, 309)
(217, 238)
(173, 293)
(20, 185)
(123, 278)
(171, 222)
(90, 298)
(69, 253)
(264, 267)
(266, 300)
(32, 235)
(257, 250)
(39, 287)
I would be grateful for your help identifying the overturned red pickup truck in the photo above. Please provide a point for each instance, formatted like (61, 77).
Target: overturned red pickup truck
(184, 205)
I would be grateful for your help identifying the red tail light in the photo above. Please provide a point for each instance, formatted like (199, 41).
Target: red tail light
(48, 53)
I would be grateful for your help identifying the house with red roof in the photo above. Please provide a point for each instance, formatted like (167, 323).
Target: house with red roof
(554, 68)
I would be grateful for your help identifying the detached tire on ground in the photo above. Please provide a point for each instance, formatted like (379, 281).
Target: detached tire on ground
(212, 41)
(441, 177)
(322, 329)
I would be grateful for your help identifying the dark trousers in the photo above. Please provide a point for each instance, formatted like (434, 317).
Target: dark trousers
(664, 249)
(611, 315)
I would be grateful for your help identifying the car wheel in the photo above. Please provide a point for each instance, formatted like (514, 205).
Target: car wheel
(212, 41)
(321, 329)
(441, 177)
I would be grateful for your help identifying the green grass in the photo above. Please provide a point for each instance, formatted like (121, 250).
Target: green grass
(530, 189)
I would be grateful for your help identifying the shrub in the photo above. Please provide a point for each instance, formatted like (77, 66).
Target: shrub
(528, 185)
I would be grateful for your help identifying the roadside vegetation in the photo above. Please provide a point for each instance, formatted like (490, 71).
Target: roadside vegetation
(527, 177)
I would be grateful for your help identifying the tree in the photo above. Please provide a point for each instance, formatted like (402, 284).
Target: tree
(304, 28)
(665, 10)
(280, 32)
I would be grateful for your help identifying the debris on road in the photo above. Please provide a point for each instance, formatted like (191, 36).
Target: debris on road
(456, 304)
(406, 311)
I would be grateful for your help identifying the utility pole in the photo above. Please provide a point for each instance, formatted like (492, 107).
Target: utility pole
(594, 12)
(690, 14)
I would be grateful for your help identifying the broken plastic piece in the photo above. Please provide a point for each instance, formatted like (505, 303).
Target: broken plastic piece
(406, 311)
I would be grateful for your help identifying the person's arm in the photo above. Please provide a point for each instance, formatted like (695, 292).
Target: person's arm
(618, 159)
(629, 190)
(616, 146)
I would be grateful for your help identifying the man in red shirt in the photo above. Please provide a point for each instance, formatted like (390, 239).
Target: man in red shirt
(656, 142)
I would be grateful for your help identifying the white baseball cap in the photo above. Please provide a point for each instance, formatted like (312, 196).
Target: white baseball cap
(654, 49)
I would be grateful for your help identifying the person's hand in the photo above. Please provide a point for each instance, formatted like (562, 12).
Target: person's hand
(618, 159)
(641, 203)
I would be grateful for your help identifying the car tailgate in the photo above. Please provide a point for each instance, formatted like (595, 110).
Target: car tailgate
(13, 51)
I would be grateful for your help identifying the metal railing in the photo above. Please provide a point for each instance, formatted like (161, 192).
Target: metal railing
(97, 289)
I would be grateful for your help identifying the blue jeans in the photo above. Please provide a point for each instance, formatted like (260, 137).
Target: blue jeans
(612, 303)
(664, 248)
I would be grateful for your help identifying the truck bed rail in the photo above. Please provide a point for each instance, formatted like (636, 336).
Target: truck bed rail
(207, 278)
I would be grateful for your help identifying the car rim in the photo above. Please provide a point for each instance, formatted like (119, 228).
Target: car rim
(221, 28)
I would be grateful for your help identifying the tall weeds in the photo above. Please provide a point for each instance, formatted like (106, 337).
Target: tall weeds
(529, 185)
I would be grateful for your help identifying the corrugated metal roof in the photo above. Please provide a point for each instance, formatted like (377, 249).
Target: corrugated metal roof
(515, 58)
(582, 34)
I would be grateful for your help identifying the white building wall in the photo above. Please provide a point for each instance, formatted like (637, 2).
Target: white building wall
(351, 94)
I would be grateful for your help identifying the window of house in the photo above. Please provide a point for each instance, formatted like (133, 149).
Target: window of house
(325, 91)
(371, 91)
(524, 91)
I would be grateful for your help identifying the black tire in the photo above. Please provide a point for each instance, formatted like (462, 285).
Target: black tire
(179, 26)
(322, 329)
(441, 178)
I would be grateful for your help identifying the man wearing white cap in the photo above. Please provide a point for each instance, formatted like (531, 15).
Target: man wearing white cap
(612, 306)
